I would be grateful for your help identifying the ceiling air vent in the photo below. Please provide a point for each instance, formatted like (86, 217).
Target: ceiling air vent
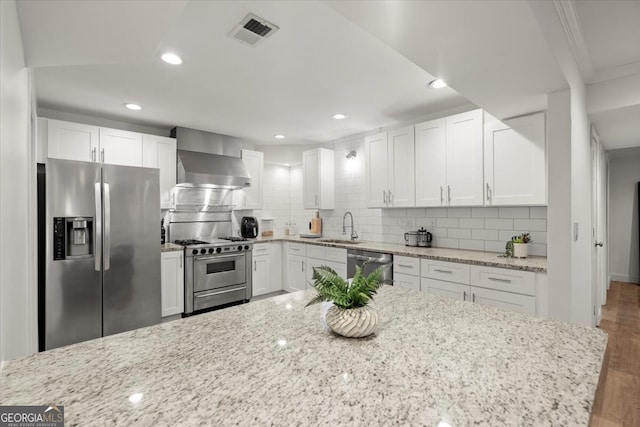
(252, 30)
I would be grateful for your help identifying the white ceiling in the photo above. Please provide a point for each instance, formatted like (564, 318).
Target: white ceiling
(91, 57)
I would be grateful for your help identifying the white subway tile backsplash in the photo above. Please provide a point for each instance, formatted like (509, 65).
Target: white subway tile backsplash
(435, 212)
(471, 223)
(530, 224)
(498, 224)
(538, 212)
(459, 233)
(444, 242)
(472, 245)
(506, 235)
(514, 212)
(447, 222)
(484, 212)
(494, 246)
(459, 212)
(484, 234)
(537, 249)
(539, 237)
(440, 232)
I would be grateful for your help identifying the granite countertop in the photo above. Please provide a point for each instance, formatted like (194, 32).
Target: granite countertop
(170, 247)
(271, 362)
(491, 259)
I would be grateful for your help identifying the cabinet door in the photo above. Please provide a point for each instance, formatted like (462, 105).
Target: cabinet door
(401, 158)
(310, 179)
(338, 267)
(445, 289)
(431, 160)
(160, 152)
(521, 303)
(406, 281)
(72, 141)
(274, 280)
(296, 273)
(376, 170)
(515, 161)
(254, 161)
(172, 280)
(260, 275)
(465, 159)
(326, 177)
(119, 147)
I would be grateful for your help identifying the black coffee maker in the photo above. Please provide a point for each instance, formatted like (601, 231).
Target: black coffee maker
(249, 227)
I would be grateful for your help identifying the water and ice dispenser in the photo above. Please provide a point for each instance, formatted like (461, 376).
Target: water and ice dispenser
(72, 237)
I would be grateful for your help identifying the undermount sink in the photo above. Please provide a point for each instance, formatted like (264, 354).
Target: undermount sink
(343, 241)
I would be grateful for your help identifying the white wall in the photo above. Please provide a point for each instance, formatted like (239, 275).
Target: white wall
(16, 286)
(624, 173)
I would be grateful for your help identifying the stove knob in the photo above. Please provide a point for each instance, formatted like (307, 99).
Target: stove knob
(210, 250)
(240, 247)
(203, 251)
(195, 252)
(246, 248)
(218, 250)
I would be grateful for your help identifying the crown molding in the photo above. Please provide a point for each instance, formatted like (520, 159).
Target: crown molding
(566, 11)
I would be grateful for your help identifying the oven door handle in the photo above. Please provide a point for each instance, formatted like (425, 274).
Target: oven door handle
(210, 294)
(209, 258)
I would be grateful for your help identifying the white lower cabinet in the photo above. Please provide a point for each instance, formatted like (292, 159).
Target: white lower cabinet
(295, 255)
(266, 268)
(172, 283)
(334, 258)
(406, 272)
(496, 287)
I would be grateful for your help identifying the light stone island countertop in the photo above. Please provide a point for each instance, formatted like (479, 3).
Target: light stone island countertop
(271, 362)
(491, 259)
(170, 247)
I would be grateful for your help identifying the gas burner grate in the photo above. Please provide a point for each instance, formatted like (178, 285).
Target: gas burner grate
(234, 239)
(188, 242)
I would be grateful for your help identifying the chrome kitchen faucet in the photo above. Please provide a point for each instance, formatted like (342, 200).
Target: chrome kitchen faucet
(354, 235)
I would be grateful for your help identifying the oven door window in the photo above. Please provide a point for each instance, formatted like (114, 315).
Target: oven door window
(221, 267)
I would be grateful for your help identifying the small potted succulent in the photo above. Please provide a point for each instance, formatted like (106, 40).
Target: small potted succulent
(517, 246)
(350, 316)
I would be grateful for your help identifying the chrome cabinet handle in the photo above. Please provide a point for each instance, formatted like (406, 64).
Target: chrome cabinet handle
(443, 271)
(441, 194)
(254, 266)
(496, 279)
(302, 265)
(218, 293)
(402, 264)
(180, 260)
(488, 192)
(390, 197)
(464, 295)
(473, 297)
(449, 192)
(384, 196)
(93, 154)
(599, 244)
(102, 155)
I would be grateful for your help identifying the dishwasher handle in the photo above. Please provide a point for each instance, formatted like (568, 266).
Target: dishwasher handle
(382, 259)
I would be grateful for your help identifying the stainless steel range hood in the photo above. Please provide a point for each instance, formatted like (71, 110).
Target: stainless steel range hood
(203, 160)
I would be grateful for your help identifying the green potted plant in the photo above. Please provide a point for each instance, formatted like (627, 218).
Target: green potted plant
(517, 246)
(350, 316)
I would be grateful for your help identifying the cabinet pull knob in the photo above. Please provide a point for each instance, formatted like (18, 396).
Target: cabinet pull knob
(443, 271)
(496, 279)
(488, 192)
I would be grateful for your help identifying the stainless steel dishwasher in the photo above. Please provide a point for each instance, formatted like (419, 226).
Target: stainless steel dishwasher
(369, 261)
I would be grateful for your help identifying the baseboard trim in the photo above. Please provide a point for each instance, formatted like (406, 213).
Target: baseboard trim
(625, 278)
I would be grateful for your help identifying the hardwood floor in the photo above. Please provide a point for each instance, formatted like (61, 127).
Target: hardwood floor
(617, 400)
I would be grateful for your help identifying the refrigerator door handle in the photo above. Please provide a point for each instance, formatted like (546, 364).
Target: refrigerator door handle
(97, 242)
(107, 227)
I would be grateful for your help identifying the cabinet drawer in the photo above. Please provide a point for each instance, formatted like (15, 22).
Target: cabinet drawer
(296, 249)
(260, 249)
(503, 279)
(336, 255)
(406, 265)
(520, 303)
(442, 270)
(318, 252)
(406, 281)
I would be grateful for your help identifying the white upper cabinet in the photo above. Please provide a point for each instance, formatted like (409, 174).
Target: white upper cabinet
(515, 161)
(120, 147)
(318, 179)
(401, 159)
(72, 141)
(254, 161)
(160, 152)
(431, 161)
(377, 166)
(465, 159)
(390, 169)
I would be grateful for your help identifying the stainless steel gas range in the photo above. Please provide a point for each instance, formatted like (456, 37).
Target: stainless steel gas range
(217, 272)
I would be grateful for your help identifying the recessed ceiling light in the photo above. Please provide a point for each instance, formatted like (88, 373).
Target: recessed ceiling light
(437, 84)
(339, 116)
(134, 107)
(278, 136)
(171, 58)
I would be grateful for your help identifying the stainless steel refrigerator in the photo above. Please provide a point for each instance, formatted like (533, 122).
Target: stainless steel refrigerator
(99, 250)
